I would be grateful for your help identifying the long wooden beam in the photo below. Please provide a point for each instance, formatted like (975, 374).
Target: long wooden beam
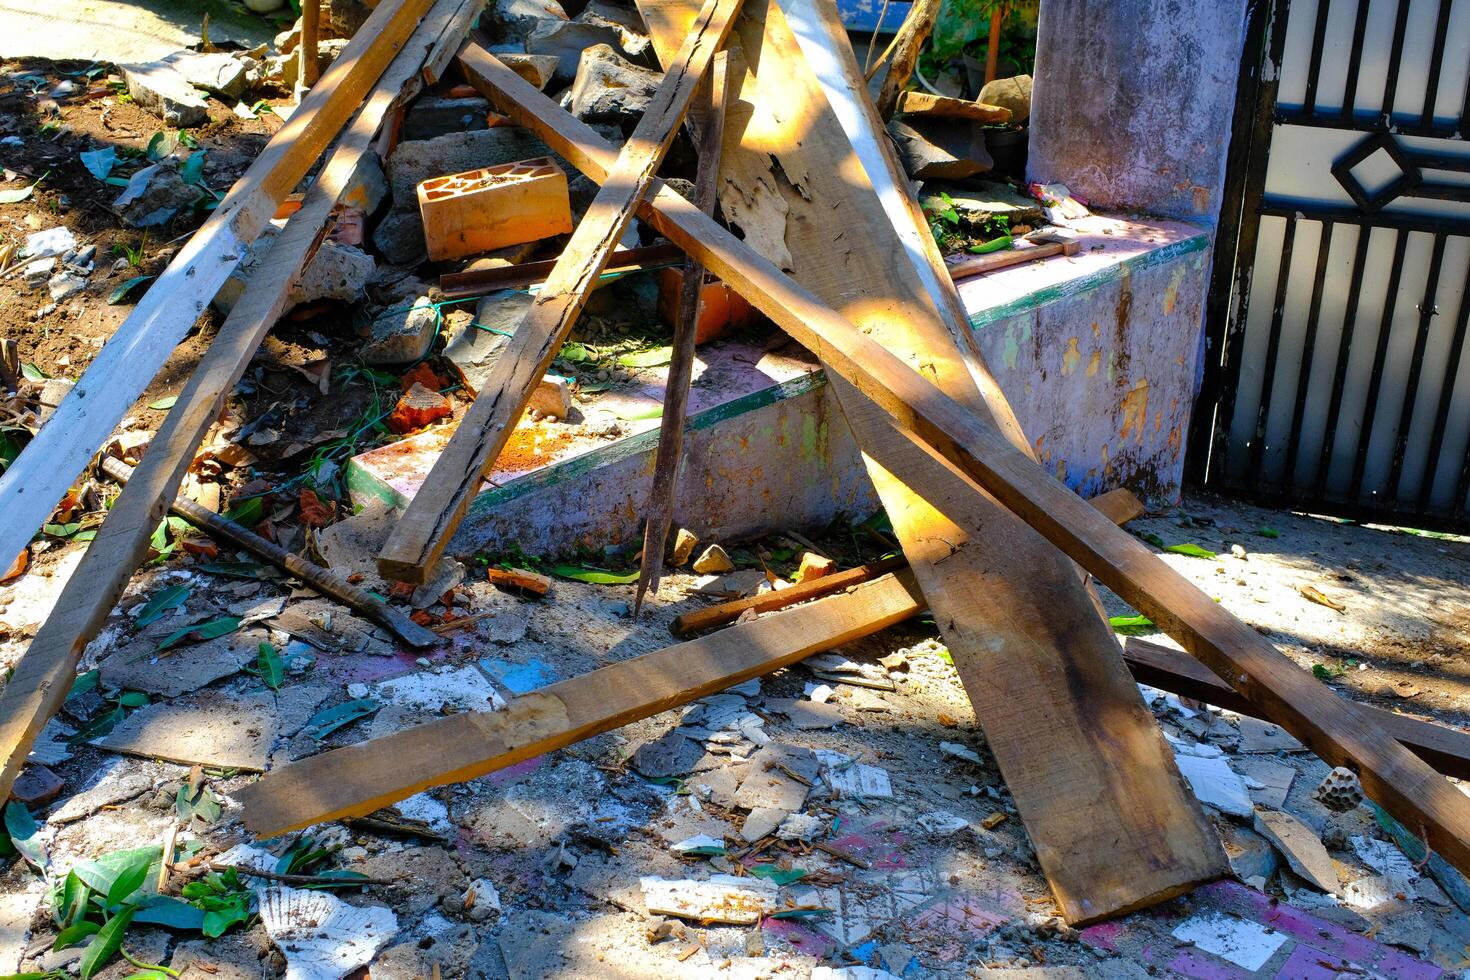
(117, 376)
(44, 674)
(1011, 609)
(1336, 730)
(361, 778)
(420, 536)
(659, 509)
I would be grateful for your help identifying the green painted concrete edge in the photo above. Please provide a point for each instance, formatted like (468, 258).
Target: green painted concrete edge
(1093, 280)
(360, 481)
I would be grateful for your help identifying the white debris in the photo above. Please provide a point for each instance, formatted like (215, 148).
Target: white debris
(482, 894)
(748, 689)
(820, 693)
(321, 936)
(1246, 944)
(1385, 858)
(850, 779)
(956, 751)
(699, 842)
(800, 826)
(1371, 892)
(851, 973)
(1215, 783)
(50, 241)
(942, 823)
(464, 688)
(723, 898)
(422, 806)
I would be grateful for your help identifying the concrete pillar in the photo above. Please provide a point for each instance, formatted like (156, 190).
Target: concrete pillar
(1133, 100)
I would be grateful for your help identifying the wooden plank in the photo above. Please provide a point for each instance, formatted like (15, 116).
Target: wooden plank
(1119, 505)
(660, 501)
(907, 44)
(44, 673)
(117, 376)
(1025, 636)
(956, 438)
(311, 19)
(446, 48)
(323, 580)
(360, 778)
(467, 285)
(421, 534)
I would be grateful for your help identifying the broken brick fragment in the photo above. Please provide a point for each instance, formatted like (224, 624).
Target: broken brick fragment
(423, 617)
(200, 548)
(418, 407)
(314, 512)
(422, 374)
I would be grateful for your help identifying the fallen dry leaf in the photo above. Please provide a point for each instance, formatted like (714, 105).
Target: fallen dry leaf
(18, 566)
(1312, 595)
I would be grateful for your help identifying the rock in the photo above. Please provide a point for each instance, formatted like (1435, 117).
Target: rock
(418, 407)
(632, 34)
(671, 754)
(714, 561)
(684, 544)
(1340, 791)
(537, 69)
(368, 187)
(519, 17)
(164, 194)
(52, 393)
(400, 237)
(567, 40)
(1249, 853)
(401, 336)
(336, 272)
(215, 72)
(761, 821)
(1300, 846)
(105, 793)
(36, 786)
(800, 826)
(133, 667)
(1009, 93)
(915, 103)
(610, 89)
(430, 117)
(814, 566)
(1262, 736)
(159, 87)
(473, 350)
(940, 148)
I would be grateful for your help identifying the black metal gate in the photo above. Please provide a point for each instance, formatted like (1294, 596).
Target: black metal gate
(1336, 377)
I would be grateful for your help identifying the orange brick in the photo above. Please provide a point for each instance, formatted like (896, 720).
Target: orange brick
(721, 309)
(482, 210)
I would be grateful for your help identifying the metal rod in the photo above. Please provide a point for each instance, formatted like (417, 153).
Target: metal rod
(1350, 87)
(1344, 349)
(311, 15)
(317, 577)
(1446, 398)
(1436, 63)
(1309, 346)
(1314, 66)
(1273, 348)
(1427, 311)
(1380, 354)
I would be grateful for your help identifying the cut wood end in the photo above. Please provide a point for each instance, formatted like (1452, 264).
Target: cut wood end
(400, 570)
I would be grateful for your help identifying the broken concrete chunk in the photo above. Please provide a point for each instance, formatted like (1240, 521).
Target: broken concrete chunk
(611, 89)
(779, 777)
(160, 88)
(65, 284)
(671, 754)
(814, 566)
(566, 40)
(135, 667)
(155, 195)
(430, 117)
(401, 335)
(328, 50)
(336, 272)
(1009, 93)
(684, 544)
(400, 237)
(714, 561)
(943, 149)
(109, 791)
(321, 935)
(723, 898)
(1262, 736)
(537, 69)
(1301, 847)
(849, 779)
(36, 786)
(762, 821)
(216, 72)
(632, 34)
(1215, 783)
(915, 103)
(520, 16)
(800, 826)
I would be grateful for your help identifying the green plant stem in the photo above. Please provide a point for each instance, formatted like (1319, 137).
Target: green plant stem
(146, 966)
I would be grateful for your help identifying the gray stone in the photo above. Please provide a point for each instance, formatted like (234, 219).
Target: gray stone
(215, 72)
(472, 351)
(567, 40)
(538, 69)
(133, 667)
(430, 117)
(328, 50)
(761, 821)
(417, 160)
(940, 148)
(400, 237)
(161, 89)
(520, 17)
(610, 89)
(1249, 853)
(1300, 846)
(368, 188)
(105, 793)
(632, 34)
(1009, 93)
(671, 754)
(336, 272)
(166, 195)
(400, 335)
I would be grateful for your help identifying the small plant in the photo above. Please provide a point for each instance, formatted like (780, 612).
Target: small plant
(133, 253)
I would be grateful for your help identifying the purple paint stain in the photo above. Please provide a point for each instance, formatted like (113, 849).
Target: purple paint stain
(800, 938)
(1104, 935)
(1203, 966)
(503, 777)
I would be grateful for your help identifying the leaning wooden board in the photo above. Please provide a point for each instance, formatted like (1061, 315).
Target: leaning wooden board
(1340, 732)
(1075, 742)
(38, 687)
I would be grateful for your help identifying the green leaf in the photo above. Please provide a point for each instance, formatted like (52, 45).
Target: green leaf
(129, 880)
(164, 404)
(16, 195)
(99, 162)
(1153, 539)
(73, 900)
(272, 667)
(593, 576)
(647, 358)
(325, 722)
(192, 169)
(1192, 550)
(161, 910)
(994, 245)
(203, 804)
(216, 627)
(61, 530)
(1132, 625)
(1268, 532)
(98, 727)
(160, 145)
(161, 602)
(100, 873)
(237, 569)
(120, 294)
(74, 934)
(576, 353)
(109, 940)
(32, 373)
(21, 827)
(218, 921)
(246, 513)
(132, 699)
(84, 683)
